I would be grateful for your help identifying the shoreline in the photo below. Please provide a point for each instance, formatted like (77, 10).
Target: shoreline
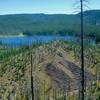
(6, 36)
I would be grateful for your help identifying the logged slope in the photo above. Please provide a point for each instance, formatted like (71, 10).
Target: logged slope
(52, 64)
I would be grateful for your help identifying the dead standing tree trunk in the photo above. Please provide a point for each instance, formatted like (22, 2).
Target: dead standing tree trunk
(82, 53)
(32, 80)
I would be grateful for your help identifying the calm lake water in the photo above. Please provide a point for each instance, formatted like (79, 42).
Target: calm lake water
(29, 40)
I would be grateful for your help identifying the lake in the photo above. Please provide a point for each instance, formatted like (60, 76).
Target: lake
(29, 40)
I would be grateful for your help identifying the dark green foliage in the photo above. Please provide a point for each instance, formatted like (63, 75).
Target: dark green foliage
(6, 53)
(44, 24)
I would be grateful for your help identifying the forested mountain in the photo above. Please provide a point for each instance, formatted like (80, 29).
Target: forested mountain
(92, 17)
(51, 24)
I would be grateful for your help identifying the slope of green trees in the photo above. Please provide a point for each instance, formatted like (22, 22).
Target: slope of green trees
(44, 24)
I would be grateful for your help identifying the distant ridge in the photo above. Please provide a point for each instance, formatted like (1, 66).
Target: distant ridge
(50, 23)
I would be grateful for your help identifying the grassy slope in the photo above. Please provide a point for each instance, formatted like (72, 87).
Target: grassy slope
(53, 63)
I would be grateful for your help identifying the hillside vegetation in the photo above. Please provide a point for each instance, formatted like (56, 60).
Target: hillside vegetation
(61, 24)
(56, 71)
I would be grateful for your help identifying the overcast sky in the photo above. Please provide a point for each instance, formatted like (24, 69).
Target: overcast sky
(43, 6)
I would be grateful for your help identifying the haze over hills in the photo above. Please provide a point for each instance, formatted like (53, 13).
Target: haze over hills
(61, 24)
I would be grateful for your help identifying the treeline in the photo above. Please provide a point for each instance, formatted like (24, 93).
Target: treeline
(44, 24)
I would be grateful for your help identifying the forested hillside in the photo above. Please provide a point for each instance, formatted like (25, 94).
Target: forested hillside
(50, 24)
